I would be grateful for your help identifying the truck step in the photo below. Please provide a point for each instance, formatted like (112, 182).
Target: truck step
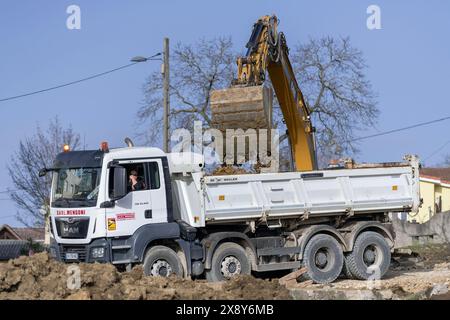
(121, 247)
(122, 261)
(278, 266)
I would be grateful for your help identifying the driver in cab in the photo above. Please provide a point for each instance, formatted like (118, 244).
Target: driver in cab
(136, 183)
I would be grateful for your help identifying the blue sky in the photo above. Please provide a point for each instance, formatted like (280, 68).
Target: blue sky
(409, 60)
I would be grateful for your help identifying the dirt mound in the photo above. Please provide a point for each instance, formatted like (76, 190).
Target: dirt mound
(423, 257)
(432, 254)
(229, 170)
(39, 277)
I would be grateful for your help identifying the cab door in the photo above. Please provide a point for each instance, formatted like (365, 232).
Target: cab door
(138, 207)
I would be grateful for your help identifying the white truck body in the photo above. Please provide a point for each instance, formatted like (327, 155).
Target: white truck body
(241, 198)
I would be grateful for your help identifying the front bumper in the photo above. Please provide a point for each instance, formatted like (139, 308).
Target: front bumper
(83, 252)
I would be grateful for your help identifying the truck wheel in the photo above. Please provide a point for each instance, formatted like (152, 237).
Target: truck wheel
(323, 259)
(162, 261)
(370, 257)
(229, 260)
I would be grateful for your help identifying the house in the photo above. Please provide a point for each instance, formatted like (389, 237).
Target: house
(8, 232)
(15, 241)
(435, 192)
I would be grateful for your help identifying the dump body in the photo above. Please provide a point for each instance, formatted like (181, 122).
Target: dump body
(242, 198)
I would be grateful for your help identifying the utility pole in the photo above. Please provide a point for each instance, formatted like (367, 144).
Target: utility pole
(165, 72)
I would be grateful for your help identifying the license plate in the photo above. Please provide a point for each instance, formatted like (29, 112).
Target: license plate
(71, 256)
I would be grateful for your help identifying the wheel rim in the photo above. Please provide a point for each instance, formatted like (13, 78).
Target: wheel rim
(371, 255)
(230, 267)
(161, 268)
(323, 259)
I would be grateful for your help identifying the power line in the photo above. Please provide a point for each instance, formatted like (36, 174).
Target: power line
(437, 150)
(400, 129)
(77, 81)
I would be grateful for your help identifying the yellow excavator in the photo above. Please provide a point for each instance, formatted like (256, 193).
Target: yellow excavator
(247, 103)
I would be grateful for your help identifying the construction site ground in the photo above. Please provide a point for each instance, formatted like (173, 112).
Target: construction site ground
(416, 273)
(421, 272)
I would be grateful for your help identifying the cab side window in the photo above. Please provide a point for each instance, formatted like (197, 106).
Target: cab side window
(141, 176)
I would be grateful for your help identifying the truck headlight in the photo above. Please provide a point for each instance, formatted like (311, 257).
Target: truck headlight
(98, 252)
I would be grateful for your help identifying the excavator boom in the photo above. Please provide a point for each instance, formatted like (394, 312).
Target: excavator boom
(248, 102)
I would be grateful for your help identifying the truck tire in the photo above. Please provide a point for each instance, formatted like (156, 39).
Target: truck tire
(162, 261)
(370, 250)
(323, 259)
(346, 271)
(228, 260)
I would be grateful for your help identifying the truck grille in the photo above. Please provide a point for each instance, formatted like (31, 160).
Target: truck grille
(80, 250)
(72, 228)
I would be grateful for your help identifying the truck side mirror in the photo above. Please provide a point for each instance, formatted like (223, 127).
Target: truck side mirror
(120, 183)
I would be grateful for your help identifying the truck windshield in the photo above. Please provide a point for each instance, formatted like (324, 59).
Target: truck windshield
(75, 187)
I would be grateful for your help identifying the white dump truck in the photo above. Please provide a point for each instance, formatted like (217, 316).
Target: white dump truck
(176, 219)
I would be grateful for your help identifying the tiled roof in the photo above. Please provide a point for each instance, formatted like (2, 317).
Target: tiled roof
(442, 174)
(11, 249)
(33, 233)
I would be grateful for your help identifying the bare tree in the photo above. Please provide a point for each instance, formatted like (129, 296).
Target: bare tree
(195, 71)
(34, 153)
(331, 74)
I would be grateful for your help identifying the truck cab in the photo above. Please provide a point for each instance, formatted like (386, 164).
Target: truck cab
(97, 215)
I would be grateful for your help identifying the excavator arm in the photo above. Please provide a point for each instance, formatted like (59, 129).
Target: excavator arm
(267, 54)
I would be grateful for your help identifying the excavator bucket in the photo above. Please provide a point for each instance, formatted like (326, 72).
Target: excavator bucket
(242, 107)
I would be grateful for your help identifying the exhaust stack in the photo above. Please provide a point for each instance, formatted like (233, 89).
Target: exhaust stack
(129, 143)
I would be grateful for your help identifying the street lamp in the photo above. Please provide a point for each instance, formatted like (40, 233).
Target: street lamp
(139, 59)
(145, 59)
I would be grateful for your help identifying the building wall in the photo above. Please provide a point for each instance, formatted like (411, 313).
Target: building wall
(430, 192)
(445, 198)
(435, 230)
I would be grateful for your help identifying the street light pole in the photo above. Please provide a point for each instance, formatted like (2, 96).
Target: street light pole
(165, 72)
